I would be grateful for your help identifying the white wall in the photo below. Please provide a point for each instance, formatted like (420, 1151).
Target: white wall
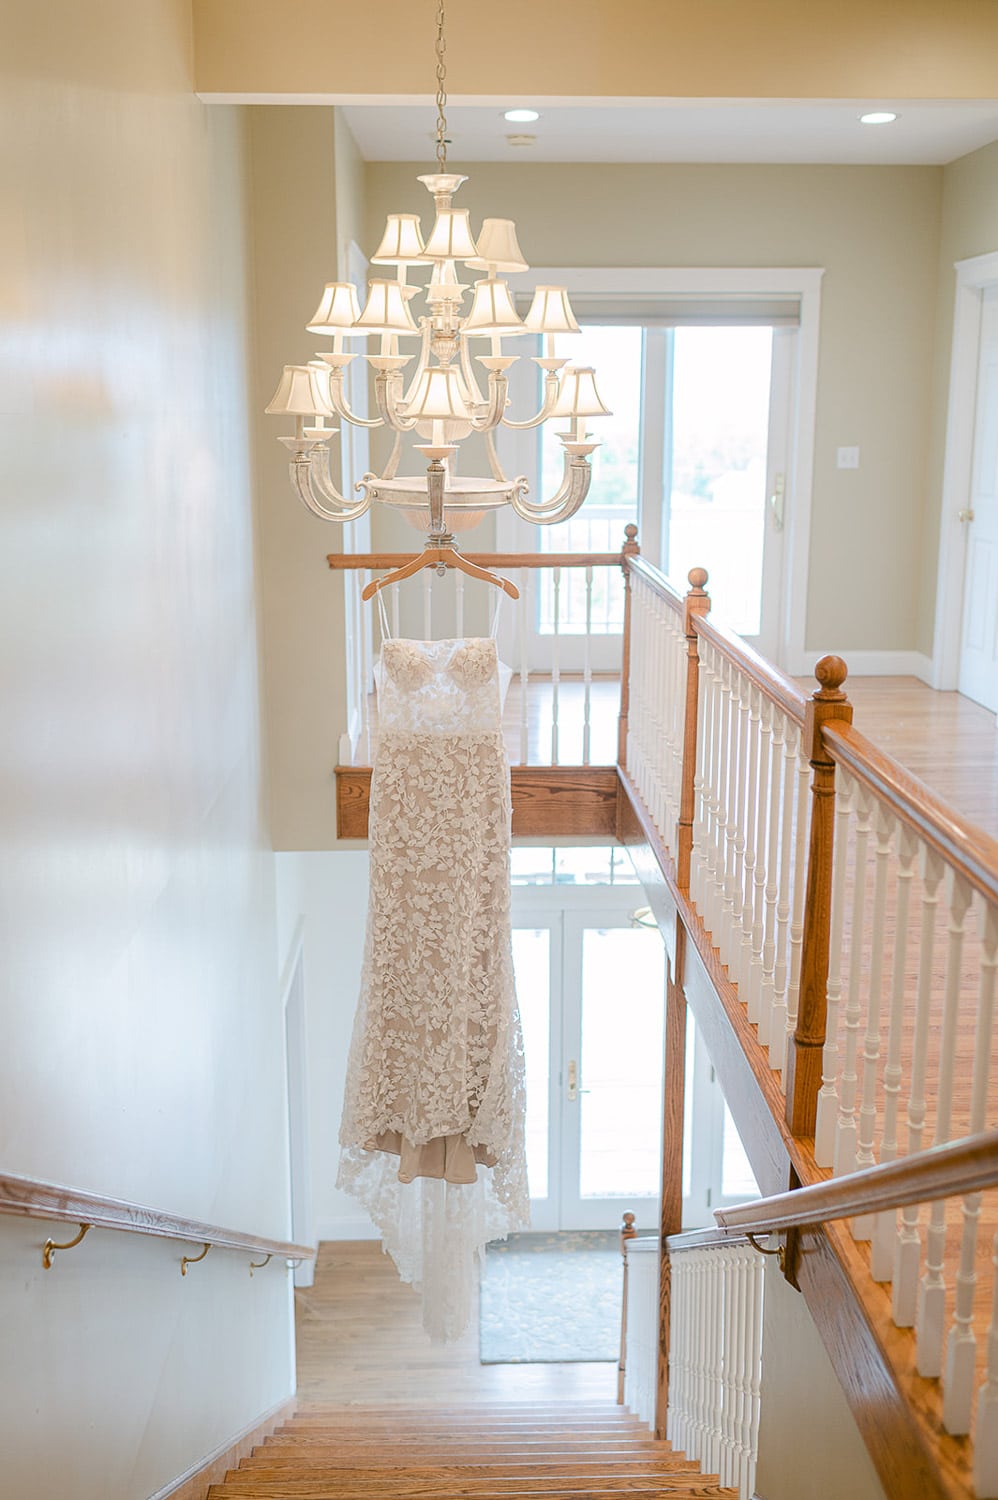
(809, 1444)
(141, 1042)
(322, 901)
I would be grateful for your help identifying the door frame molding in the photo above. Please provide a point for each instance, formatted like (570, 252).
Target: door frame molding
(765, 282)
(973, 277)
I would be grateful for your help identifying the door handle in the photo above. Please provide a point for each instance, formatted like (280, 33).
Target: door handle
(573, 1081)
(776, 501)
(966, 515)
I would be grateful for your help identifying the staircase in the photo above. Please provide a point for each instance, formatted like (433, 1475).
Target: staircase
(563, 1451)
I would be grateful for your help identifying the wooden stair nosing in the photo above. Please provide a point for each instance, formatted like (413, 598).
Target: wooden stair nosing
(698, 1487)
(466, 1424)
(278, 1463)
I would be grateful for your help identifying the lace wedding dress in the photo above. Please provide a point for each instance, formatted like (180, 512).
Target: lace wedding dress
(432, 1133)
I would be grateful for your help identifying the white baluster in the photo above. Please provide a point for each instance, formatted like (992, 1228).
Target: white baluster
(587, 668)
(930, 1323)
(723, 772)
(704, 806)
(555, 663)
(862, 1225)
(365, 750)
(767, 997)
(781, 970)
(961, 1346)
(848, 1124)
(396, 596)
(727, 942)
(986, 1427)
(885, 1230)
(758, 1285)
(740, 773)
(726, 1464)
(427, 576)
(458, 604)
(799, 883)
(523, 626)
(908, 1244)
(751, 825)
(759, 877)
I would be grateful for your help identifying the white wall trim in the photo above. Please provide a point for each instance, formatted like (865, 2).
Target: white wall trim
(874, 664)
(293, 1006)
(347, 1227)
(802, 282)
(972, 277)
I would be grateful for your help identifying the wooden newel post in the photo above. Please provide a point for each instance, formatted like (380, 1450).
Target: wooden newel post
(627, 1232)
(804, 1061)
(628, 550)
(697, 603)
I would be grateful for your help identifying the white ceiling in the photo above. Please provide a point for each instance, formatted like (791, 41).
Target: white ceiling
(682, 130)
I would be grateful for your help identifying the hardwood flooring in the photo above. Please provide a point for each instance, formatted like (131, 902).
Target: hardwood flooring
(360, 1339)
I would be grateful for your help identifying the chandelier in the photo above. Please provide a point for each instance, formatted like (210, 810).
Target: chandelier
(452, 392)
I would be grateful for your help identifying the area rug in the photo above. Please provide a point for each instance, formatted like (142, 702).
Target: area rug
(551, 1298)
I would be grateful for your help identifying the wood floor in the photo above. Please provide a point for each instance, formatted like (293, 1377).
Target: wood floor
(946, 740)
(360, 1339)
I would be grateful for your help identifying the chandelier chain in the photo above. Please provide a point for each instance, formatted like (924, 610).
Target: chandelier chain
(441, 47)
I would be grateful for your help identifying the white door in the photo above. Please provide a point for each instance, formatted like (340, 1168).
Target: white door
(979, 636)
(591, 991)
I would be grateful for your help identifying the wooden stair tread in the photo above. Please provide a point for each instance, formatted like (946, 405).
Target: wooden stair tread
(483, 1453)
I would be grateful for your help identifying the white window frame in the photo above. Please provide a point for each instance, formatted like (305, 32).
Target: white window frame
(659, 284)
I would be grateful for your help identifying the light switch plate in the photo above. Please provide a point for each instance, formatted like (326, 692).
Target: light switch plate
(847, 458)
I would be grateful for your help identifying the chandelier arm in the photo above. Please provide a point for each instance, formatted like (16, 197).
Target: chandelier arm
(306, 479)
(551, 389)
(495, 404)
(564, 503)
(468, 371)
(493, 456)
(341, 405)
(388, 404)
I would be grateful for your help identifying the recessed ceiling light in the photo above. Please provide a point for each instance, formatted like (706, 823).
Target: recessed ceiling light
(521, 116)
(878, 117)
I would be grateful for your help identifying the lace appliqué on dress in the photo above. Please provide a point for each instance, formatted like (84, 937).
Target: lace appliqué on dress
(433, 1116)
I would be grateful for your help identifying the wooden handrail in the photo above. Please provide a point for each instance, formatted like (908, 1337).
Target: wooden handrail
(346, 561)
(777, 686)
(967, 849)
(27, 1197)
(950, 1171)
(657, 582)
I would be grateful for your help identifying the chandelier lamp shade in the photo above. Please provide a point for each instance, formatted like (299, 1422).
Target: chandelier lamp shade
(440, 374)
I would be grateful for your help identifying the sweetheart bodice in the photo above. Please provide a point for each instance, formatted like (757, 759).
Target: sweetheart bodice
(441, 687)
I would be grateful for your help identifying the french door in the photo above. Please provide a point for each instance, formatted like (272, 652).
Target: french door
(696, 453)
(591, 989)
(979, 643)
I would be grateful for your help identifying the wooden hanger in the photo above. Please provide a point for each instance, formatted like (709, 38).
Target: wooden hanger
(446, 556)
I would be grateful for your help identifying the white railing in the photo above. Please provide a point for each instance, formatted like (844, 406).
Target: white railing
(909, 1057)
(640, 1355)
(750, 829)
(715, 1356)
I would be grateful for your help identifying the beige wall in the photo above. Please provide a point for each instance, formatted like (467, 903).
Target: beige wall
(603, 48)
(140, 1022)
(875, 230)
(969, 227)
(801, 1458)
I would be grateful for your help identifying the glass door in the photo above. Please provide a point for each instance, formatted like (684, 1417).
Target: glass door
(696, 453)
(591, 990)
(611, 1094)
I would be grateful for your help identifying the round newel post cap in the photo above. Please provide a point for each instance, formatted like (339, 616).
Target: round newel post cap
(831, 672)
(630, 547)
(698, 579)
